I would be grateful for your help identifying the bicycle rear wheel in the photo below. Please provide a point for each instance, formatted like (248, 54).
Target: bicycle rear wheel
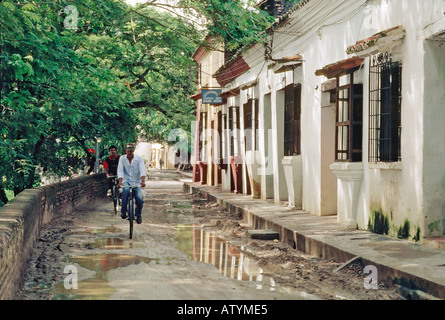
(115, 195)
(131, 214)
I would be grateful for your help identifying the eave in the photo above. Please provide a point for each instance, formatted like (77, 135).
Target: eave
(339, 68)
(232, 70)
(377, 42)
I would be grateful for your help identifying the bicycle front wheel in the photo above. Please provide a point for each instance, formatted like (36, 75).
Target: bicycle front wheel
(131, 215)
(115, 195)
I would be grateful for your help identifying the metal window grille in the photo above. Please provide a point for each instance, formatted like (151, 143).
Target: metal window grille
(384, 109)
(220, 136)
(256, 127)
(343, 124)
(251, 124)
(292, 123)
(349, 121)
(202, 119)
(248, 124)
(234, 126)
(232, 138)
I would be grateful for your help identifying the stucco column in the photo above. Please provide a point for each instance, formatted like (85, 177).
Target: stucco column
(293, 173)
(349, 181)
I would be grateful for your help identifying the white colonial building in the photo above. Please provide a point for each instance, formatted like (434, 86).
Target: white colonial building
(341, 113)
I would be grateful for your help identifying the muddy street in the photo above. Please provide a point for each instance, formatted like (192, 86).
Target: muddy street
(186, 248)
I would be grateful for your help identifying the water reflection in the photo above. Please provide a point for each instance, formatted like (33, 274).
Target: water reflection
(103, 262)
(230, 261)
(112, 244)
(110, 229)
(97, 287)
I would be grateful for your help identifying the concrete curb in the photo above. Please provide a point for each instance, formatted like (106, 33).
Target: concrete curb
(418, 269)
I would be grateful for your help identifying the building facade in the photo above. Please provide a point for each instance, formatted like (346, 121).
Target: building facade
(339, 114)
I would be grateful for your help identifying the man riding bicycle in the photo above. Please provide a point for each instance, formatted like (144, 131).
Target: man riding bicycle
(110, 164)
(131, 171)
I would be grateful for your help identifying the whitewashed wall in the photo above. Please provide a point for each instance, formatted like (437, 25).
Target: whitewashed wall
(412, 190)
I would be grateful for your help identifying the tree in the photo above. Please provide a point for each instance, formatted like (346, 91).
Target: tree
(55, 97)
(70, 71)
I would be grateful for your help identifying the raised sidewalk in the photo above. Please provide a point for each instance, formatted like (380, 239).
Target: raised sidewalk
(418, 270)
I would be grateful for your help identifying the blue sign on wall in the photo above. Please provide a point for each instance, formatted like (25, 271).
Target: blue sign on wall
(211, 96)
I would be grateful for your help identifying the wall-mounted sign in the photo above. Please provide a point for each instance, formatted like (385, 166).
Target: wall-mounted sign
(211, 96)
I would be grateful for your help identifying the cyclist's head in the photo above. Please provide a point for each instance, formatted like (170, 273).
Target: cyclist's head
(130, 150)
(130, 147)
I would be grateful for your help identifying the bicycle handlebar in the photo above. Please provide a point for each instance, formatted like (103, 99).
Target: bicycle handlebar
(137, 186)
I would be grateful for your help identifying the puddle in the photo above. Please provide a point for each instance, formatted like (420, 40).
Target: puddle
(113, 244)
(90, 289)
(97, 287)
(230, 261)
(103, 262)
(110, 229)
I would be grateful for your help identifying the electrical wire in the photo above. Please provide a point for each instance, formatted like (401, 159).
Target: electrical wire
(234, 69)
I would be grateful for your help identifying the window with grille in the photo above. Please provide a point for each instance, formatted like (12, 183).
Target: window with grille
(251, 124)
(202, 119)
(220, 152)
(349, 121)
(384, 109)
(292, 123)
(248, 124)
(234, 126)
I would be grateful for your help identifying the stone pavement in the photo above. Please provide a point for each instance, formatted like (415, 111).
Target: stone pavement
(418, 270)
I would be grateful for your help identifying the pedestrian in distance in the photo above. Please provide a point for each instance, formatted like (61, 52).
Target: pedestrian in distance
(131, 171)
(91, 160)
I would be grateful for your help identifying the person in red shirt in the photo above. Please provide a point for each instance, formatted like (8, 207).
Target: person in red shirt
(110, 164)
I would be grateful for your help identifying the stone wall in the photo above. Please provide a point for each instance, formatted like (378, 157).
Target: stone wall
(22, 219)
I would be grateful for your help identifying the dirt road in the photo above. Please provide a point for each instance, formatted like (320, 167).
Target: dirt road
(186, 248)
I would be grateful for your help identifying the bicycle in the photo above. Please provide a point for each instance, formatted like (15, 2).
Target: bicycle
(115, 193)
(130, 208)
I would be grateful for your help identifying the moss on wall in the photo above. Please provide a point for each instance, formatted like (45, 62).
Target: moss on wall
(403, 231)
(417, 235)
(380, 222)
(434, 226)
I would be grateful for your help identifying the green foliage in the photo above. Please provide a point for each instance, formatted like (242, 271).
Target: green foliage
(55, 96)
(103, 69)
(237, 23)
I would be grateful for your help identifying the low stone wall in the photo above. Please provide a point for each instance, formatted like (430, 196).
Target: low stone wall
(22, 219)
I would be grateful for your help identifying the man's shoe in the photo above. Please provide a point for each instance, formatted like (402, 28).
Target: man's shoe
(138, 219)
(124, 215)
